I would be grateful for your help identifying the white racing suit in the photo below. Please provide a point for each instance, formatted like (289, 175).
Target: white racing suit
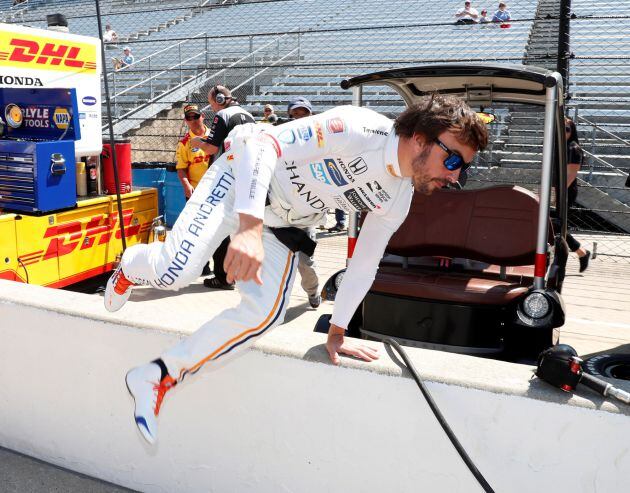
(290, 175)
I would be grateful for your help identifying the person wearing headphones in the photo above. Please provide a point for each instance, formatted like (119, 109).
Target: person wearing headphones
(227, 115)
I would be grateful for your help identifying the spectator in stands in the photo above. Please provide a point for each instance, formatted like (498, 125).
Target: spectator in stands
(124, 61)
(227, 115)
(467, 14)
(484, 19)
(502, 15)
(575, 158)
(301, 108)
(110, 36)
(268, 112)
(192, 162)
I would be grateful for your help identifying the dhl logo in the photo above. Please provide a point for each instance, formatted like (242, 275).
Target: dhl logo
(67, 237)
(28, 51)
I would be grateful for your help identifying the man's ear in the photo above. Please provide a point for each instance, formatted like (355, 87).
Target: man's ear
(420, 140)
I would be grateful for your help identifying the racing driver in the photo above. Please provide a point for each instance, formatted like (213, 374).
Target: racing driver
(272, 182)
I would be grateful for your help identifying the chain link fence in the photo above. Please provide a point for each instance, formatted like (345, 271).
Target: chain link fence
(269, 52)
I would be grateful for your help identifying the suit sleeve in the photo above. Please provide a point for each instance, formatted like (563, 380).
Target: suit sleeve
(218, 131)
(374, 237)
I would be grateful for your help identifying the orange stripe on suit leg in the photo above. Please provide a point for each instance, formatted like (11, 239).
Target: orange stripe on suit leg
(248, 331)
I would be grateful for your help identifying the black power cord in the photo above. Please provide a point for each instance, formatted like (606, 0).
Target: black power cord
(23, 267)
(440, 417)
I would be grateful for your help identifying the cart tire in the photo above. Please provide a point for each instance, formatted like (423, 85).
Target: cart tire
(608, 366)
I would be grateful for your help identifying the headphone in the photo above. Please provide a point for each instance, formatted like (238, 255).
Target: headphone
(219, 97)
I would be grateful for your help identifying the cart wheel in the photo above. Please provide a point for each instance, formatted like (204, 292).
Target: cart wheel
(608, 366)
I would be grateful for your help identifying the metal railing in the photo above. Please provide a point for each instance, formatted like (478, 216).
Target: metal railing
(150, 80)
(14, 11)
(192, 82)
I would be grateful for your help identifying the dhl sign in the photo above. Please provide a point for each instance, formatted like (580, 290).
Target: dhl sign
(22, 50)
(67, 237)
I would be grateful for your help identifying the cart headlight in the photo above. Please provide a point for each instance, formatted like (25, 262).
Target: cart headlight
(536, 305)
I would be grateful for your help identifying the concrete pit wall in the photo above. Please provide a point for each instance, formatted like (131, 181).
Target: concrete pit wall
(281, 419)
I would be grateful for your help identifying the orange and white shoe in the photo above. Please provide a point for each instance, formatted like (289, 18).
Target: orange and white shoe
(147, 387)
(117, 291)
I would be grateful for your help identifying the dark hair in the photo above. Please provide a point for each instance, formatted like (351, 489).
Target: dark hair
(436, 114)
(573, 135)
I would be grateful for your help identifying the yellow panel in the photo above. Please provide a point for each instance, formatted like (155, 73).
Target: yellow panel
(139, 209)
(37, 247)
(82, 247)
(64, 248)
(9, 267)
(34, 51)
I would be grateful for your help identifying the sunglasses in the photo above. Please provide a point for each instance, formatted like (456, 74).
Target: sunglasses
(453, 161)
(192, 117)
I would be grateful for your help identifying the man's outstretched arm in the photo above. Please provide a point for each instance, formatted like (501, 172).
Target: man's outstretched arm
(359, 276)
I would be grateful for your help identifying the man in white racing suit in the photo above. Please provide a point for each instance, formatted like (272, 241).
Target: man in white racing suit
(274, 178)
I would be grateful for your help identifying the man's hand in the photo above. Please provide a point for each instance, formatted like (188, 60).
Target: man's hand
(204, 146)
(336, 345)
(245, 253)
(188, 190)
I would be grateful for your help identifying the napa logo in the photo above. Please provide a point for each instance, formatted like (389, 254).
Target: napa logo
(89, 100)
(61, 117)
(317, 170)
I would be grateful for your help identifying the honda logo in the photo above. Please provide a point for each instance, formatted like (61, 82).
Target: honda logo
(357, 166)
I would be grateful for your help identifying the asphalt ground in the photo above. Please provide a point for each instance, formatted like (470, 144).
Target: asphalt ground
(22, 474)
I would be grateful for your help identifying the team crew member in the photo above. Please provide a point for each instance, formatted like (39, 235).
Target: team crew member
(275, 177)
(192, 161)
(228, 114)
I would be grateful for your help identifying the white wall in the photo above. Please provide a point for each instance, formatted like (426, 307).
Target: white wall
(273, 423)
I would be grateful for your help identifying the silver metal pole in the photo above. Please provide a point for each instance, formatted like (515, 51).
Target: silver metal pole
(551, 102)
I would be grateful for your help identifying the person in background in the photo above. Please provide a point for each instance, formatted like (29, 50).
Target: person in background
(267, 113)
(467, 14)
(301, 108)
(502, 15)
(192, 162)
(110, 36)
(227, 115)
(124, 61)
(484, 19)
(575, 158)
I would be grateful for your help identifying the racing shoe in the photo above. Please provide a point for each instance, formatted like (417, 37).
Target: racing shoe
(147, 386)
(117, 291)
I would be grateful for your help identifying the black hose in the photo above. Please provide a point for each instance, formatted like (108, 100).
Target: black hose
(440, 417)
(23, 267)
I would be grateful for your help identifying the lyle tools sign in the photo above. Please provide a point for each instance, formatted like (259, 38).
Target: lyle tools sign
(32, 115)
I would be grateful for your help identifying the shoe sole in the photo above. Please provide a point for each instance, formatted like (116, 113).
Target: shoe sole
(144, 432)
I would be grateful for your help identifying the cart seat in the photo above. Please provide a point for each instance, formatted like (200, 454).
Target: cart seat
(489, 233)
